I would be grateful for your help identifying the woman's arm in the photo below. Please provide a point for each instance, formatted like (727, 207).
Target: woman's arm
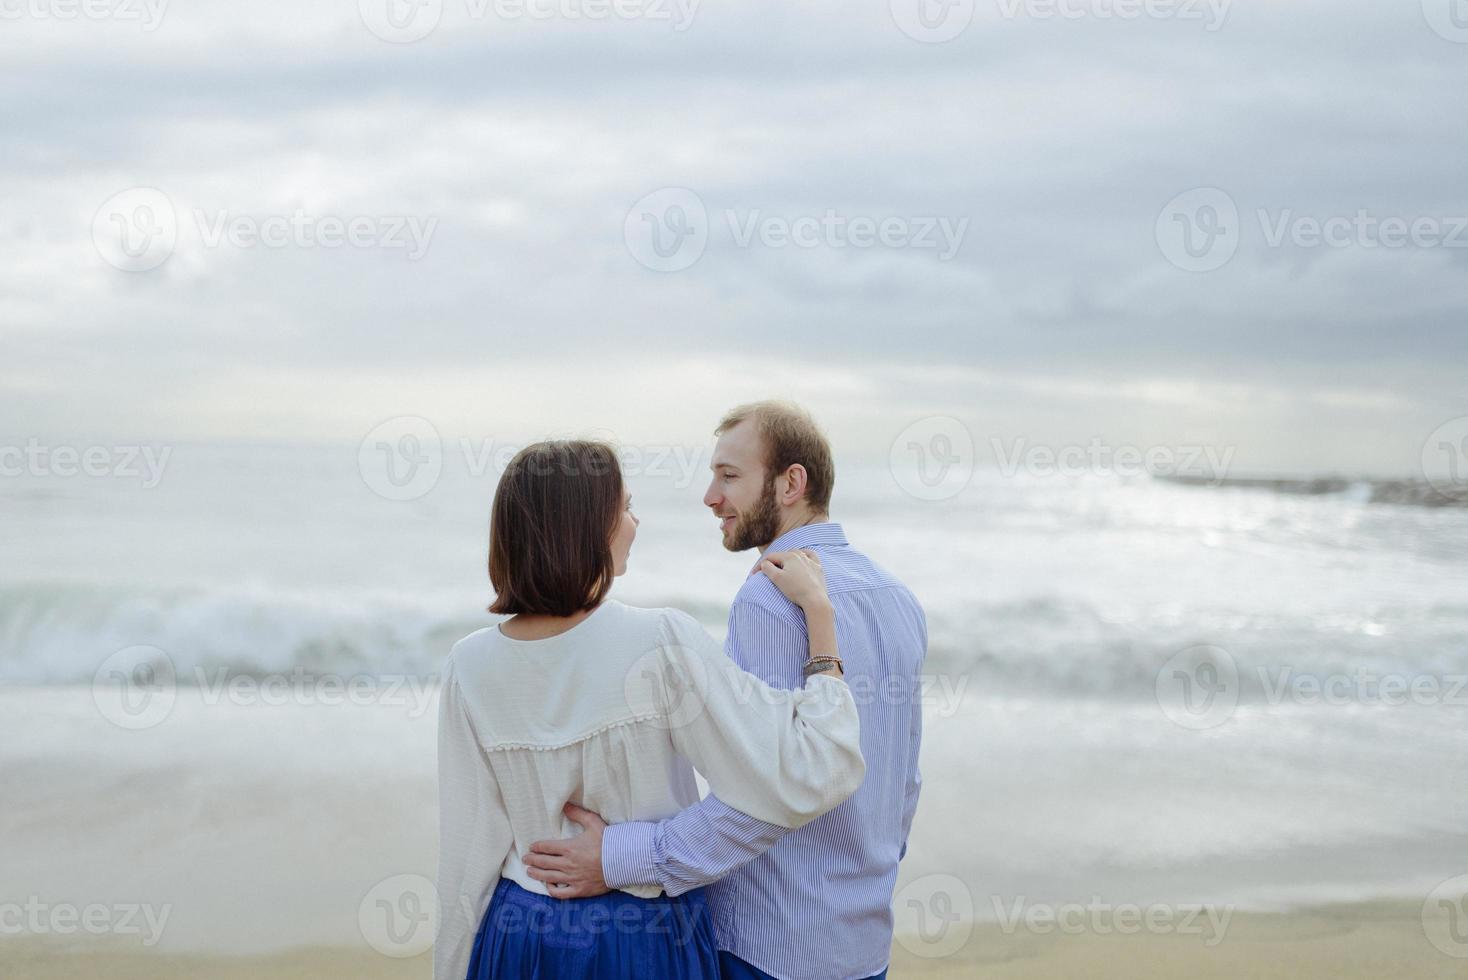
(799, 576)
(781, 756)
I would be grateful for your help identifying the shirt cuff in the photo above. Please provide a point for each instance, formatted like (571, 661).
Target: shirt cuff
(629, 855)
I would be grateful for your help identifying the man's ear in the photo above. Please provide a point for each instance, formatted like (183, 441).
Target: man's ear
(796, 482)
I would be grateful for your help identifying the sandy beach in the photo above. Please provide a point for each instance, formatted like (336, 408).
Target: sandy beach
(1382, 941)
(305, 867)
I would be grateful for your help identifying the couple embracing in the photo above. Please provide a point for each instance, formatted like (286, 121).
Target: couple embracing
(573, 843)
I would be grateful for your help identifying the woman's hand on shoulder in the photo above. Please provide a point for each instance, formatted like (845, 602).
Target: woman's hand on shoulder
(799, 576)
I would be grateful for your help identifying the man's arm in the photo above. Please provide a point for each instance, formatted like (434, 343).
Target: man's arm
(914, 778)
(695, 847)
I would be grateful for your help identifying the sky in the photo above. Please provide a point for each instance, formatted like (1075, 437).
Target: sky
(1238, 224)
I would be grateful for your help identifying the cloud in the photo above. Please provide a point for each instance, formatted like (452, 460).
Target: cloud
(1056, 141)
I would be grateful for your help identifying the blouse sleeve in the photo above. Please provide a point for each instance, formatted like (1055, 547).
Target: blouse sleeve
(784, 757)
(474, 834)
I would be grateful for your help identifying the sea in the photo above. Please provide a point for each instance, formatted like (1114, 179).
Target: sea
(1134, 690)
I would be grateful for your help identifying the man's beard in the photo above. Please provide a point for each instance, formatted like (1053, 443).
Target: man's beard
(759, 527)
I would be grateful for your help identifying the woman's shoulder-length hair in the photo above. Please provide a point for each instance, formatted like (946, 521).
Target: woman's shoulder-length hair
(551, 526)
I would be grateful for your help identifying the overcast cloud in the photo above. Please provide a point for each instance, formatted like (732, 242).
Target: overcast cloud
(1027, 278)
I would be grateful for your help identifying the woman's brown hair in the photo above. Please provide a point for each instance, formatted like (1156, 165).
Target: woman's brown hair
(550, 532)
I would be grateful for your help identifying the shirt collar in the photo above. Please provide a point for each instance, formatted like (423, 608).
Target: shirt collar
(807, 535)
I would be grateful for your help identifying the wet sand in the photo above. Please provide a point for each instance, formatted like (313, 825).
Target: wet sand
(1379, 940)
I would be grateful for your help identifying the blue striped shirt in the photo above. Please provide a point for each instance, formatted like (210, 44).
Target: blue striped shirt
(814, 903)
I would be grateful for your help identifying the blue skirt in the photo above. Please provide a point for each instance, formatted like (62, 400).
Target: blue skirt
(616, 935)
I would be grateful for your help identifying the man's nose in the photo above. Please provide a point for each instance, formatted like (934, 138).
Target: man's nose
(710, 498)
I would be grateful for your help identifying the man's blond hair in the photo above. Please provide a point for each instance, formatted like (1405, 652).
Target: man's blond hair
(790, 436)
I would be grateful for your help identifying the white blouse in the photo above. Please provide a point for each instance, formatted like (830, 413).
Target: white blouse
(609, 715)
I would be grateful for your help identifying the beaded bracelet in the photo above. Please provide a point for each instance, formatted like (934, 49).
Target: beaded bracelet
(816, 665)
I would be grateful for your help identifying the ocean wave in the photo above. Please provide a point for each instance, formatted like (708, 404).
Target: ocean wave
(60, 633)
(1410, 492)
(1038, 646)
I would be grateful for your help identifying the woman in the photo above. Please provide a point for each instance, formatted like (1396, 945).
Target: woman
(579, 698)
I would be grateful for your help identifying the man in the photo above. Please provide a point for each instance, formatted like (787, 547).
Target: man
(814, 903)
